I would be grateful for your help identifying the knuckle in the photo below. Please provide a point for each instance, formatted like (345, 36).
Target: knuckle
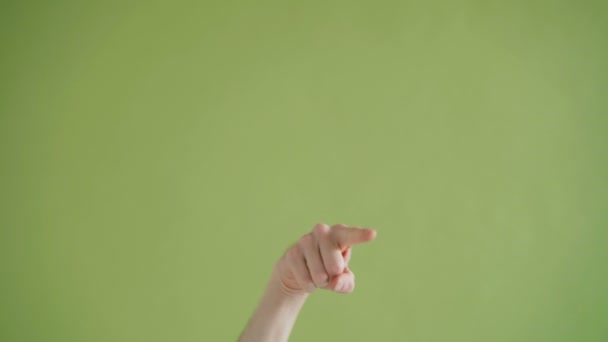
(320, 229)
(335, 269)
(319, 224)
(337, 229)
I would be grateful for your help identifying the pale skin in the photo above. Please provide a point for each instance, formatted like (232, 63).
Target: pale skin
(318, 260)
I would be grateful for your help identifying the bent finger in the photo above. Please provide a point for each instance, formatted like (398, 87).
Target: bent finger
(330, 251)
(310, 248)
(295, 258)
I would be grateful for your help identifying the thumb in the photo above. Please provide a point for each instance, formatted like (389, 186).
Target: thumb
(343, 282)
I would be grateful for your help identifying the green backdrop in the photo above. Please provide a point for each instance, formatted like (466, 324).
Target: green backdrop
(158, 157)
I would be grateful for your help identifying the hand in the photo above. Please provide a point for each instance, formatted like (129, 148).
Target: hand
(320, 260)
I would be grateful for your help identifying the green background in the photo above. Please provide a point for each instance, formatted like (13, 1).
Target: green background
(158, 157)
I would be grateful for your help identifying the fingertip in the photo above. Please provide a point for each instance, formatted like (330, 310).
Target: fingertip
(371, 234)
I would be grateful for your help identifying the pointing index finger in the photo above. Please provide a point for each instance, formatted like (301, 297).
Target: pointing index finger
(350, 236)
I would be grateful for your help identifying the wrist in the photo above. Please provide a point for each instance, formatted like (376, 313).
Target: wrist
(283, 291)
(276, 313)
